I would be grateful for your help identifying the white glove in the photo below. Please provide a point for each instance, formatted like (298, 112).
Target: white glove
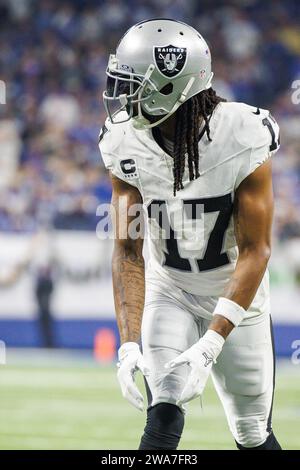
(131, 360)
(200, 357)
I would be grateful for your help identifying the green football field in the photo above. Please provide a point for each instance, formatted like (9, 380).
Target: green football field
(50, 401)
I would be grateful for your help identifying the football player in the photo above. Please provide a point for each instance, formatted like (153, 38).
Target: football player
(194, 161)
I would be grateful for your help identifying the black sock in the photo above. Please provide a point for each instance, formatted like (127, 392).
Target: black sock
(163, 428)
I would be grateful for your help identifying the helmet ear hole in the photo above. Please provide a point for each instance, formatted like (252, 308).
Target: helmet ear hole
(167, 89)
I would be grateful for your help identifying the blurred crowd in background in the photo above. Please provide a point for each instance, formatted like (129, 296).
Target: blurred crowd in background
(53, 55)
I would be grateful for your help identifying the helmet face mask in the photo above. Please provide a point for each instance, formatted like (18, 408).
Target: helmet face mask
(124, 90)
(158, 65)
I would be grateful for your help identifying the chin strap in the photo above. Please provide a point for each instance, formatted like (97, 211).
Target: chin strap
(140, 122)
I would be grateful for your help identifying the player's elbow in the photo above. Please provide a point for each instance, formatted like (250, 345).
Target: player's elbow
(259, 253)
(263, 255)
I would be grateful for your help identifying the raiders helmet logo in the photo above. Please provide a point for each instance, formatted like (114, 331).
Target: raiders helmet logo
(170, 60)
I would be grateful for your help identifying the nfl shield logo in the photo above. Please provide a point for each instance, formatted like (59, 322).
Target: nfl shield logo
(170, 60)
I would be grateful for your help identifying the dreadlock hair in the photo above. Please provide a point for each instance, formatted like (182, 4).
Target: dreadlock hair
(188, 118)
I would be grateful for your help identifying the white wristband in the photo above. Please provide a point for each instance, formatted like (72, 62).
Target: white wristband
(230, 310)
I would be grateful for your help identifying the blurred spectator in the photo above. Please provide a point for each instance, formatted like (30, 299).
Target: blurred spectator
(60, 111)
(43, 265)
(10, 145)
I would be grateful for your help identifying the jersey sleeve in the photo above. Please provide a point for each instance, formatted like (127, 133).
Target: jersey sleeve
(115, 151)
(259, 134)
(105, 152)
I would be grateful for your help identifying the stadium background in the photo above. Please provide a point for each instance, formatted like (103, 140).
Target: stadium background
(55, 288)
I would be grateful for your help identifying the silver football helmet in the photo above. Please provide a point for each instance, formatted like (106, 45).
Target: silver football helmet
(158, 65)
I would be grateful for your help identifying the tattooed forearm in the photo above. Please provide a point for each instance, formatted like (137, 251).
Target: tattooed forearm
(128, 263)
(129, 292)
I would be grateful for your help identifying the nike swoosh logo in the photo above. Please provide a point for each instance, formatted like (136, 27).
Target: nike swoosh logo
(257, 111)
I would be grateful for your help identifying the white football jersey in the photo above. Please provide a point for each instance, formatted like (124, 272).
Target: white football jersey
(199, 252)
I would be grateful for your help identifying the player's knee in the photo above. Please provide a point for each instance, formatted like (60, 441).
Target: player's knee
(249, 432)
(164, 427)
